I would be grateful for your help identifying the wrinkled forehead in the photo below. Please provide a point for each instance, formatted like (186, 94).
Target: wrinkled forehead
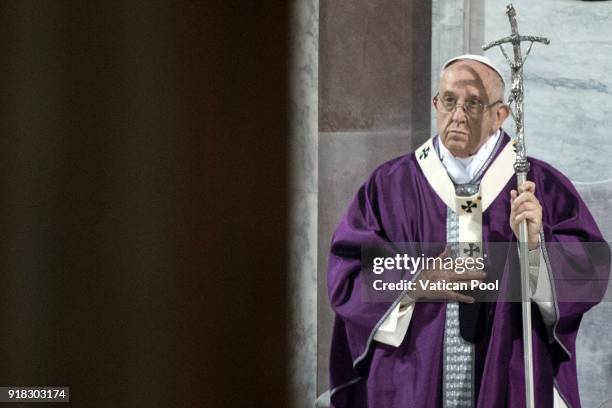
(468, 77)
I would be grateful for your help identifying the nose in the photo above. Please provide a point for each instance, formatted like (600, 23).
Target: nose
(459, 114)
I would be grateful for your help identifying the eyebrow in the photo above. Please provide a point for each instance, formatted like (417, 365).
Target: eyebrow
(470, 97)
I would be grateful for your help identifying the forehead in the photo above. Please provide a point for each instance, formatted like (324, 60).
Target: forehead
(467, 77)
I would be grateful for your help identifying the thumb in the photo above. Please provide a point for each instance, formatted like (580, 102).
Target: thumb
(445, 253)
(513, 195)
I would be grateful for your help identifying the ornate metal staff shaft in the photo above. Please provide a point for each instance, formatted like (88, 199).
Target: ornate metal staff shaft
(521, 168)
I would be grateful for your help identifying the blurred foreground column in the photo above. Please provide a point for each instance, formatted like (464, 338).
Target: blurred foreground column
(303, 179)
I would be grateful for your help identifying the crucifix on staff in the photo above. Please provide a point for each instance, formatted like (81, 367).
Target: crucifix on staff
(521, 167)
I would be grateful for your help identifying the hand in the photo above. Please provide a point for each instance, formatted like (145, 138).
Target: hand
(525, 206)
(437, 275)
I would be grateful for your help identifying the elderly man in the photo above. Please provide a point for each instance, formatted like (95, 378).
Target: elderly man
(458, 187)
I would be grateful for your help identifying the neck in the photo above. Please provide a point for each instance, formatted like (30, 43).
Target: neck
(462, 155)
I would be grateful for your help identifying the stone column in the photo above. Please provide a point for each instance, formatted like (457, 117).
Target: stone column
(303, 201)
(457, 27)
(374, 105)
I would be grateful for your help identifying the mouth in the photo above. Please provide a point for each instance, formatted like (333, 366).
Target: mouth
(455, 133)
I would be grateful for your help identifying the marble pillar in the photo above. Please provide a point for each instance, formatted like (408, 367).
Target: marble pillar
(303, 181)
(456, 28)
(374, 67)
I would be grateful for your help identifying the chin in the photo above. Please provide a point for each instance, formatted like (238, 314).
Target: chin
(456, 146)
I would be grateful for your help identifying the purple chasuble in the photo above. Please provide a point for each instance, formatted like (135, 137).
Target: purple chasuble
(397, 204)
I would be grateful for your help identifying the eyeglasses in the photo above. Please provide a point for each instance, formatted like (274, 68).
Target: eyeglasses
(471, 107)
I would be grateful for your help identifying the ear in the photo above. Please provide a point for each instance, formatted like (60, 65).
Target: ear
(501, 114)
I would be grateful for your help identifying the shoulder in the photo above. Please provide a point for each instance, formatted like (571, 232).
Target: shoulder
(543, 167)
(394, 166)
(556, 192)
(394, 171)
(546, 174)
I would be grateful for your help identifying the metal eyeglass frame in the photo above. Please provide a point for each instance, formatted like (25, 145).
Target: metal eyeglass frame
(484, 107)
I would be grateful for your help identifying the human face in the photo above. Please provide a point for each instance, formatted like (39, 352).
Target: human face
(460, 133)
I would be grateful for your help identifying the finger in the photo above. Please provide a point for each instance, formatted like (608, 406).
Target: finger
(445, 253)
(533, 216)
(459, 297)
(526, 206)
(453, 276)
(513, 195)
(527, 186)
(524, 197)
(471, 275)
(466, 274)
(521, 198)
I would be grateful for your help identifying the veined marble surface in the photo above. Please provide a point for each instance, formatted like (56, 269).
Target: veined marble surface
(568, 84)
(303, 199)
(594, 341)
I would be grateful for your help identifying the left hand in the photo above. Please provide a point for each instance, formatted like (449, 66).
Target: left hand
(525, 206)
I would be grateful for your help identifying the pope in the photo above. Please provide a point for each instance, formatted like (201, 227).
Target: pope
(433, 348)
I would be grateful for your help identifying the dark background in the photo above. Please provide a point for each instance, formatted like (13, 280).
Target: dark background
(143, 201)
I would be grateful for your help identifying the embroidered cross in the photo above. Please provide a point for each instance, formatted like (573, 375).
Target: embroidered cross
(424, 153)
(468, 206)
(473, 248)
